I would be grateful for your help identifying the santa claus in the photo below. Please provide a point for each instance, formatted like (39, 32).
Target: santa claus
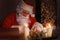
(24, 14)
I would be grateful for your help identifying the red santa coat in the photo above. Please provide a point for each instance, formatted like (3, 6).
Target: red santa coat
(11, 20)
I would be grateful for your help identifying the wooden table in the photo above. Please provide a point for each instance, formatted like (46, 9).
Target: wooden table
(10, 34)
(13, 34)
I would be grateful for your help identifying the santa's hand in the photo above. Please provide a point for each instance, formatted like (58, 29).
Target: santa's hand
(37, 27)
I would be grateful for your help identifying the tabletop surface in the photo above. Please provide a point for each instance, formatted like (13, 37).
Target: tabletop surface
(12, 34)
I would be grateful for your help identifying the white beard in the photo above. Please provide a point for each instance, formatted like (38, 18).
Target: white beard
(21, 19)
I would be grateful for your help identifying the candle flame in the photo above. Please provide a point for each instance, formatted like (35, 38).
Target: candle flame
(48, 25)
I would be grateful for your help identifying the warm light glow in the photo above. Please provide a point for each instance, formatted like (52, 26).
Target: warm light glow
(26, 31)
(44, 29)
(26, 25)
(49, 30)
(48, 25)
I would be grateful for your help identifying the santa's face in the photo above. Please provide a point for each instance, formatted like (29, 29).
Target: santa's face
(25, 13)
(23, 17)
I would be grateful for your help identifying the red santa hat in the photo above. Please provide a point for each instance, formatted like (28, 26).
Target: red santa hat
(25, 5)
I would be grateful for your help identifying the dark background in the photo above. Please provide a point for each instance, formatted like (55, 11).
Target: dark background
(6, 6)
(58, 11)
